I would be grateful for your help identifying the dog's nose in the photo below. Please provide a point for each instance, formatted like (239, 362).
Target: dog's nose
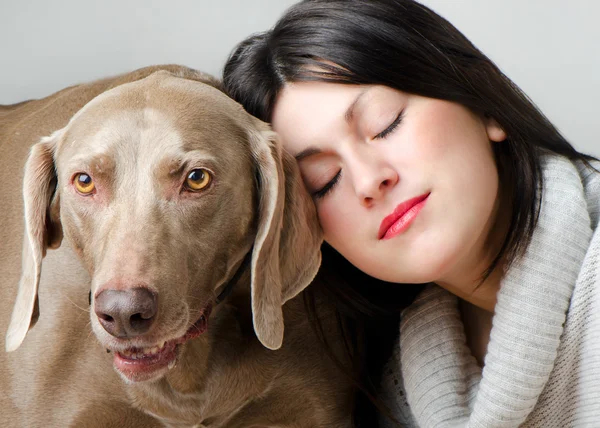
(126, 313)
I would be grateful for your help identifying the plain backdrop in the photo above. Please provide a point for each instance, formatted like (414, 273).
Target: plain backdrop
(550, 48)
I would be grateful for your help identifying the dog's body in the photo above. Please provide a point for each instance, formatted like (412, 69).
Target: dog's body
(61, 375)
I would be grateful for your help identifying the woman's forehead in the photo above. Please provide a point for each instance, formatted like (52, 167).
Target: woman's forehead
(307, 112)
(313, 107)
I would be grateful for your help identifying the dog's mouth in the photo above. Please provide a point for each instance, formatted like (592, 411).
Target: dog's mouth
(152, 362)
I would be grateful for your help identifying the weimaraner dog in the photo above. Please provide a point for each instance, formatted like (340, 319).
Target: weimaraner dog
(181, 239)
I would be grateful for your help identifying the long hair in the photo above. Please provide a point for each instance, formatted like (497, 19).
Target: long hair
(406, 46)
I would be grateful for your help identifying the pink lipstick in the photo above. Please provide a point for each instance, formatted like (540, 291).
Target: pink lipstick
(404, 214)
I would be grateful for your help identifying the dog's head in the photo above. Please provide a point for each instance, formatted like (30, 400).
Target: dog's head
(163, 187)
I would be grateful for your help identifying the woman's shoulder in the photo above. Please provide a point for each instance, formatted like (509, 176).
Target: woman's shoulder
(576, 181)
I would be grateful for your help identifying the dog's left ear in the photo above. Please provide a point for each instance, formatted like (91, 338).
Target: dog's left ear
(286, 254)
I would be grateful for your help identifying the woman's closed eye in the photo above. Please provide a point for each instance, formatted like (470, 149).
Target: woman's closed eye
(328, 187)
(391, 128)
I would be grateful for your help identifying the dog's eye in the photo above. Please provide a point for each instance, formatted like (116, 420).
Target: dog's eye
(198, 179)
(84, 183)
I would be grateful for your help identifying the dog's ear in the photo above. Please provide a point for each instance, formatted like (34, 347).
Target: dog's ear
(42, 230)
(286, 254)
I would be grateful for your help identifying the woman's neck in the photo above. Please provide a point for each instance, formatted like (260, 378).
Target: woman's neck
(476, 305)
(467, 279)
(477, 324)
(477, 301)
(481, 294)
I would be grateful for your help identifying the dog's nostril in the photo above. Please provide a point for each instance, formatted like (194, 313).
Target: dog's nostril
(105, 317)
(139, 322)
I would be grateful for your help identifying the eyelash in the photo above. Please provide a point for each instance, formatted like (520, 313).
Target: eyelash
(328, 187)
(387, 131)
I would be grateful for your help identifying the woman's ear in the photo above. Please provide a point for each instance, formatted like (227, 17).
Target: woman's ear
(493, 129)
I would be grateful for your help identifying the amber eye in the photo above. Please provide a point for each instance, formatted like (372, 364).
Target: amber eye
(84, 183)
(198, 179)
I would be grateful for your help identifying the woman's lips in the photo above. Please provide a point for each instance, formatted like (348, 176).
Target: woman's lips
(398, 221)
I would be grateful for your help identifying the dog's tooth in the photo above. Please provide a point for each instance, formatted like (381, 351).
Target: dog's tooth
(172, 364)
(150, 351)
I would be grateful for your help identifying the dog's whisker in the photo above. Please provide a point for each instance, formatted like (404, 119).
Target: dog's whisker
(86, 310)
(192, 324)
(189, 296)
(91, 330)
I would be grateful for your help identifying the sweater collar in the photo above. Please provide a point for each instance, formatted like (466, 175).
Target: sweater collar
(443, 383)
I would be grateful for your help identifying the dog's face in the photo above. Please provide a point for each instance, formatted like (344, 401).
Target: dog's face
(158, 201)
(163, 186)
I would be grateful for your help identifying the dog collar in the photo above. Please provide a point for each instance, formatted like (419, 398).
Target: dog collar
(231, 283)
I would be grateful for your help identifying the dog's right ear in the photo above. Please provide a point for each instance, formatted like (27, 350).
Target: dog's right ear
(42, 230)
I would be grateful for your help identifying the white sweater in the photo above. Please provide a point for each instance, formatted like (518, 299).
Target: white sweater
(542, 367)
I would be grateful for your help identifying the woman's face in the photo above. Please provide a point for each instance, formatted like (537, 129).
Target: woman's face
(406, 187)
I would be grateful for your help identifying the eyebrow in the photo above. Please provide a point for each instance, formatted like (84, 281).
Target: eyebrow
(348, 115)
(350, 112)
(307, 152)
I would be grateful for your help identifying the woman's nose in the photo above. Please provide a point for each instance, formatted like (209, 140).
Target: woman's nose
(373, 176)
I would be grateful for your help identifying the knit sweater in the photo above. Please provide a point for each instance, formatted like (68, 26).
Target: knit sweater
(542, 367)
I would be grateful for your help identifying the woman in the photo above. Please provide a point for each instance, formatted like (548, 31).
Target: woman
(427, 165)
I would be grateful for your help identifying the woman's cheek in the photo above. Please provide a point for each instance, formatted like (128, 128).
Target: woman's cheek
(325, 217)
(335, 222)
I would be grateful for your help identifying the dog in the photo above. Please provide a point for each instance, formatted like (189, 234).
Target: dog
(166, 238)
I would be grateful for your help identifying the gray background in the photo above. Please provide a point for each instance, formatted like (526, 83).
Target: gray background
(548, 47)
